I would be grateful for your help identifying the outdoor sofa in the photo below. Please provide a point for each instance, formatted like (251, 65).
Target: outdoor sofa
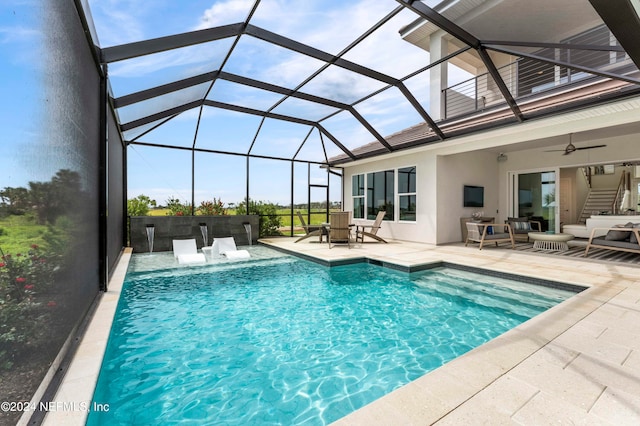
(597, 221)
(521, 226)
(620, 238)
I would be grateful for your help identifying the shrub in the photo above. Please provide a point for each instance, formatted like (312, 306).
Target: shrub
(22, 276)
(212, 208)
(269, 218)
(177, 208)
(20, 327)
(58, 239)
(140, 205)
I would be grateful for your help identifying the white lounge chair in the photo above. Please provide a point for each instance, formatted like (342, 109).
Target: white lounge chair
(227, 247)
(186, 252)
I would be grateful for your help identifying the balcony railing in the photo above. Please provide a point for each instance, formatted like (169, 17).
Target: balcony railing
(522, 80)
(526, 77)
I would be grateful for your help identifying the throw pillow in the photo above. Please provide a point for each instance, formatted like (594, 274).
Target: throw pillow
(619, 235)
(632, 238)
(522, 226)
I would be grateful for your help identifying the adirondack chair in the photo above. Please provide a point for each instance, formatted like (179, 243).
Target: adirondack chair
(310, 230)
(361, 230)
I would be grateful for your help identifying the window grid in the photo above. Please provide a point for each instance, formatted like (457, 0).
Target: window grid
(407, 196)
(393, 191)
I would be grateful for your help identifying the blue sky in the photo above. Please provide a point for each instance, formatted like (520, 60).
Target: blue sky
(328, 25)
(22, 95)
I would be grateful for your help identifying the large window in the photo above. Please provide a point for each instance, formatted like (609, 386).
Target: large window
(357, 191)
(382, 194)
(407, 193)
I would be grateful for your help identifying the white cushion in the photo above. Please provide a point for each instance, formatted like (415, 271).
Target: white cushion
(237, 254)
(577, 230)
(190, 259)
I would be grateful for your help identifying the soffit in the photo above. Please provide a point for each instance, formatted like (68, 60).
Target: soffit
(592, 124)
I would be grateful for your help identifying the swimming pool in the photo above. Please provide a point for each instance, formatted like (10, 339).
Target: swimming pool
(280, 340)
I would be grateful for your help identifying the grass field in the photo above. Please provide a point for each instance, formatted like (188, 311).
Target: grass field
(18, 233)
(285, 216)
(159, 212)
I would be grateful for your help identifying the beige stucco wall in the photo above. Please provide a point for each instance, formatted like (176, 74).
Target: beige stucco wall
(455, 171)
(424, 227)
(440, 180)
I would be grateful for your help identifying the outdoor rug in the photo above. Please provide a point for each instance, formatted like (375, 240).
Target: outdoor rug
(577, 251)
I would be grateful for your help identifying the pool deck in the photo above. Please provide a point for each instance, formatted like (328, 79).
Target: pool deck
(577, 363)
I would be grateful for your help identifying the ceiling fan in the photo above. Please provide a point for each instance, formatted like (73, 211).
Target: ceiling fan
(572, 148)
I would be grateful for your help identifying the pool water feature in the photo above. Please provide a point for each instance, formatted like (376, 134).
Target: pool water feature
(281, 340)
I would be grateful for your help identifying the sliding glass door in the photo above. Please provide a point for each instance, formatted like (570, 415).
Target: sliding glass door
(534, 196)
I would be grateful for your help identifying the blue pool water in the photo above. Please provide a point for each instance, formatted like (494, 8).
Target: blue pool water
(280, 340)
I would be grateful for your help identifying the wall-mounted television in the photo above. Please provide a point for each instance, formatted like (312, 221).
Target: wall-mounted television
(473, 196)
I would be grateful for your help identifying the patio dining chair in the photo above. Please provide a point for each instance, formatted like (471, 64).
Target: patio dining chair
(339, 229)
(361, 230)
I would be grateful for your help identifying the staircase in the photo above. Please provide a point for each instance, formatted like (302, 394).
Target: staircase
(598, 200)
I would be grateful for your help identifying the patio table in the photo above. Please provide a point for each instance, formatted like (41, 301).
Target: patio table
(550, 242)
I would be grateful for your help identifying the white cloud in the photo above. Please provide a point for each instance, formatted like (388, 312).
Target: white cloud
(224, 12)
(24, 46)
(18, 34)
(385, 51)
(313, 23)
(169, 66)
(118, 21)
(329, 25)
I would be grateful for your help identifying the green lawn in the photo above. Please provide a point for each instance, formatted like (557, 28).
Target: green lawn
(158, 212)
(285, 216)
(316, 217)
(18, 233)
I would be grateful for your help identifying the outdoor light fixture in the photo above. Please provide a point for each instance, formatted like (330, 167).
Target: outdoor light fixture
(502, 157)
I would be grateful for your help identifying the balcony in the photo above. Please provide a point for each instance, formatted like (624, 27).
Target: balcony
(527, 82)
(544, 74)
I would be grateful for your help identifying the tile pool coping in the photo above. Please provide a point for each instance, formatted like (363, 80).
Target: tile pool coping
(493, 382)
(435, 264)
